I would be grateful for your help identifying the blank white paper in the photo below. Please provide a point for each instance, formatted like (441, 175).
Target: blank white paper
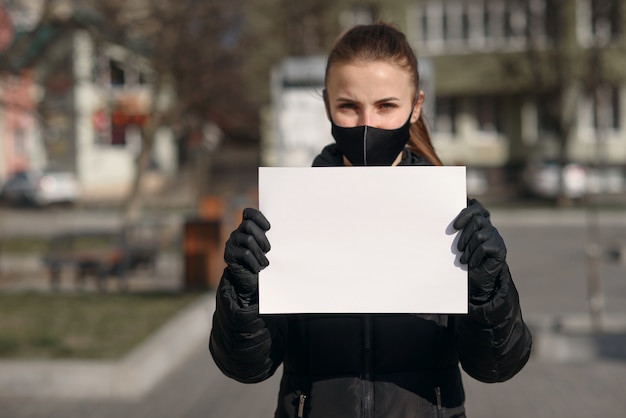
(362, 240)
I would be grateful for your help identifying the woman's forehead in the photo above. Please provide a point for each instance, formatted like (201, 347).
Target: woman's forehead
(371, 75)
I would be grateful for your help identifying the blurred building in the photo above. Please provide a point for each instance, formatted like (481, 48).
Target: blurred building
(17, 123)
(510, 83)
(525, 81)
(74, 98)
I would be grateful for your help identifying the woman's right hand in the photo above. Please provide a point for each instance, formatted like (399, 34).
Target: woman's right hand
(245, 250)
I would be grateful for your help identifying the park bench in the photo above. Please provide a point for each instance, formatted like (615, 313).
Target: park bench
(98, 254)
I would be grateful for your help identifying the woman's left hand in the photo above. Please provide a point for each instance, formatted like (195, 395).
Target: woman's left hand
(482, 248)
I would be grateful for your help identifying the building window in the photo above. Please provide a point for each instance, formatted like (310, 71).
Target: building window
(488, 113)
(118, 76)
(475, 26)
(548, 116)
(599, 22)
(125, 76)
(605, 20)
(118, 134)
(494, 21)
(125, 127)
(457, 25)
(433, 24)
(549, 16)
(606, 108)
(453, 30)
(445, 115)
(516, 22)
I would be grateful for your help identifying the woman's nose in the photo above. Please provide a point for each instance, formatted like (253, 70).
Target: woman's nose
(365, 118)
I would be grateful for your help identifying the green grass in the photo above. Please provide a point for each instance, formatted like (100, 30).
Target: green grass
(23, 245)
(85, 326)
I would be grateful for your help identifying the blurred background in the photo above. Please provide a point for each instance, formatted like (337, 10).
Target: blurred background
(131, 132)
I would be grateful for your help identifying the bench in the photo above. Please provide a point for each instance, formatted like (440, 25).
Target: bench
(98, 254)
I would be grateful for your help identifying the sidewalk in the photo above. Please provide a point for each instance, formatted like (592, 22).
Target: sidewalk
(130, 377)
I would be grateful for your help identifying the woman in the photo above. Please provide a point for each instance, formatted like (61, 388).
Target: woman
(394, 365)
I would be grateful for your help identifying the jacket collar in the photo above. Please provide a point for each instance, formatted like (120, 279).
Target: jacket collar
(331, 157)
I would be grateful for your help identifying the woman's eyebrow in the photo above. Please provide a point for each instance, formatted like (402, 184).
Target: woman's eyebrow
(345, 99)
(388, 99)
(383, 100)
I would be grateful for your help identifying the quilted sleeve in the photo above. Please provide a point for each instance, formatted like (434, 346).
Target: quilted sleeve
(245, 346)
(493, 341)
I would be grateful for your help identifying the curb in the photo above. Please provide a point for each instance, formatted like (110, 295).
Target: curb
(130, 377)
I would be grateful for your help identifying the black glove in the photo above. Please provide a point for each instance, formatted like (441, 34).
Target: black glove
(245, 251)
(483, 250)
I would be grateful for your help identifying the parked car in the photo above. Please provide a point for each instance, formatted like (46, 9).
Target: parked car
(606, 180)
(40, 188)
(542, 180)
(477, 183)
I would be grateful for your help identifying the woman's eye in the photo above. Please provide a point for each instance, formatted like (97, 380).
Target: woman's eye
(388, 106)
(347, 106)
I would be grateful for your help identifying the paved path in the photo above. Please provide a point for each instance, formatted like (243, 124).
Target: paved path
(548, 259)
(541, 390)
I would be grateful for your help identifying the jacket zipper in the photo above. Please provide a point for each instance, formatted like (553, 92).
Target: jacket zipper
(439, 407)
(301, 405)
(367, 368)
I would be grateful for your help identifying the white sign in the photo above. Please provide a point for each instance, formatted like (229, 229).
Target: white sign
(362, 240)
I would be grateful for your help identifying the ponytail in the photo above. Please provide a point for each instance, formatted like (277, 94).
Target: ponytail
(420, 142)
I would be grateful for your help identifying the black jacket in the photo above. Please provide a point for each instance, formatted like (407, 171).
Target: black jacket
(372, 365)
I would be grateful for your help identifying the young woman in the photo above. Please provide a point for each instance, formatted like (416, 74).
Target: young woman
(369, 365)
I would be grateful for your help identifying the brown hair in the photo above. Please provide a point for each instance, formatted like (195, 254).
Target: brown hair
(382, 41)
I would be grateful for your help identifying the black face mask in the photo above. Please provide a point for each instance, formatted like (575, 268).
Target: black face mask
(366, 145)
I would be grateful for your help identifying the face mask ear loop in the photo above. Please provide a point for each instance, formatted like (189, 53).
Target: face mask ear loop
(326, 105)
(413, 106)
(365, 145)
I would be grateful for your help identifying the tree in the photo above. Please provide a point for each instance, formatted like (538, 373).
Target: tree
(275, 29)
(195, 52)
(216, 56)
